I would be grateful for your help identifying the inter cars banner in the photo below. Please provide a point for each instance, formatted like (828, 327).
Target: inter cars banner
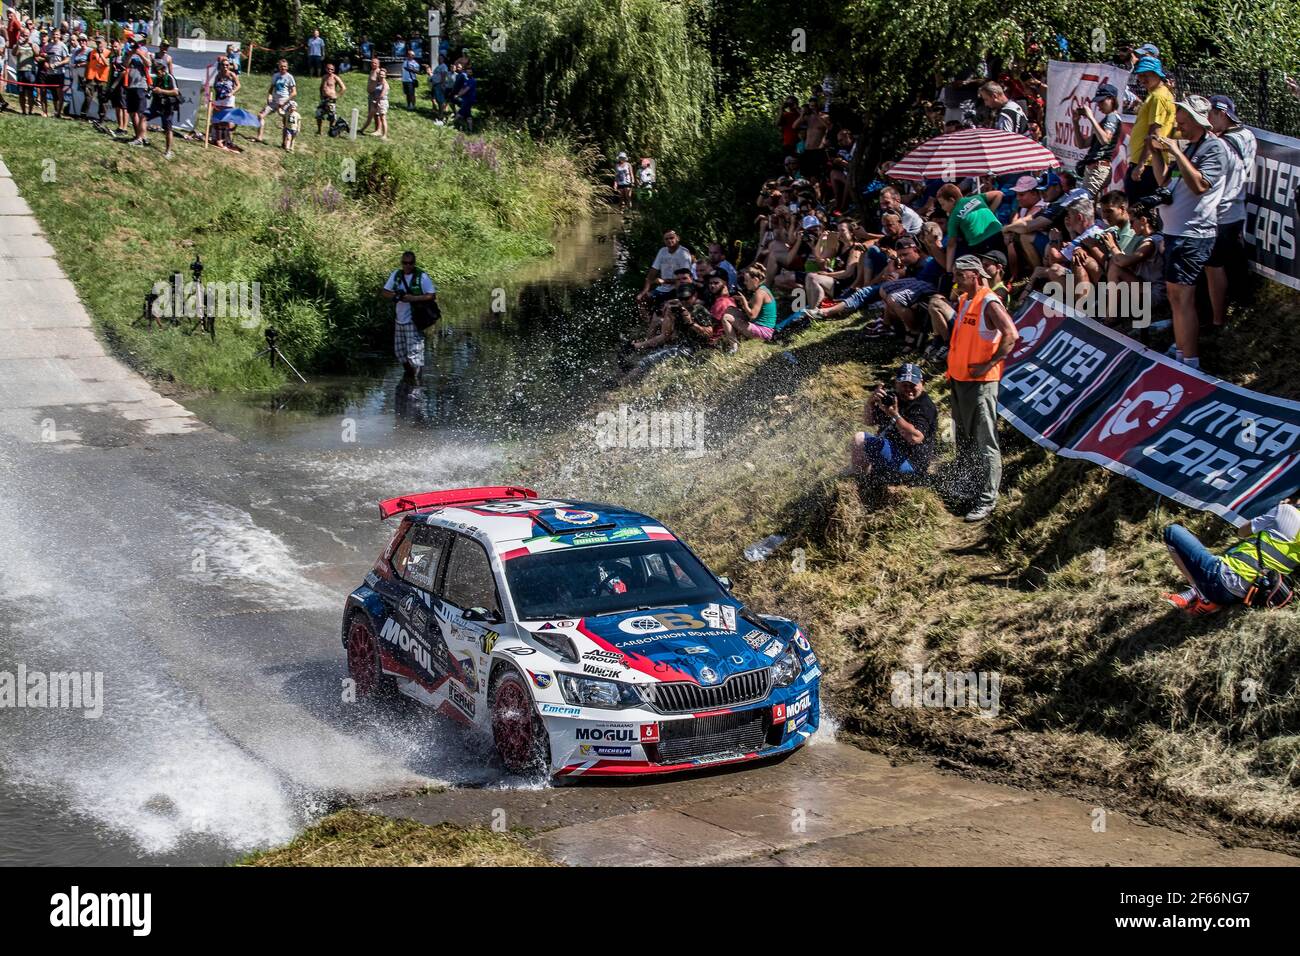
(1085, 391)
(1272, 208)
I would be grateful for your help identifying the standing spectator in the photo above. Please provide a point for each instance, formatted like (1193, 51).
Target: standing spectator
(96, 85)
(224, 88)
(623, 176)
(166, 100)
(982, 336)
(282, 90)
(315, 53)
(1094, 168)
(905, 420)
(410, 78)
(58, 59)
(1195, 177)
(467, 97)
(4, 74)
(1008, 115)
(406, 285)
(438, 75)
(1155, 116)
(292, 126)
(815, 127)
(379, 104)
(1227, 263)
(972, 226)
(138, 81)
(786, 124)
(372, 86)
(25, 54)
(672, 256)
(331, 88)
(234, 59)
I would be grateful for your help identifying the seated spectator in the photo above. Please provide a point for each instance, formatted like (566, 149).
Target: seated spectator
(905, 420)
(757, 314)
(1145, 263)
(723, 311)
(1115, 213)
(891, 201)
(718, 259)
(1080, 257)
(699, 323)
(1031, 234)
(1248, 572)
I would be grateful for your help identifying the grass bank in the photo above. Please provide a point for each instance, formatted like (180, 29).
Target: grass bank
(1105, 691)
(317, 230)
(355, 838)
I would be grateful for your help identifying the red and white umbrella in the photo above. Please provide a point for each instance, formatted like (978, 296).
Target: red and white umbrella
(973, 152)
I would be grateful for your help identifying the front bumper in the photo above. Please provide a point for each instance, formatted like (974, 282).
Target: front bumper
(593, 743)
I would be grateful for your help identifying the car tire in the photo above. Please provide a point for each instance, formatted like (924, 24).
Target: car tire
(371, 684)
(517, 731)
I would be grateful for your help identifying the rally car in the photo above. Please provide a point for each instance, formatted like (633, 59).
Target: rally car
(587, 639)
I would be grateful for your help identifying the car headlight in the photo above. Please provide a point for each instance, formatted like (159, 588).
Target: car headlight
(597, 692)
(786, 668)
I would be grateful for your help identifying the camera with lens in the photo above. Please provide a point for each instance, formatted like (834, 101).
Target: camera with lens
(1161, 197)
(890, 398)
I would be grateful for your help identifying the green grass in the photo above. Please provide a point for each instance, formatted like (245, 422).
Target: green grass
(355, 838)
(318, 243)
(1102, 684)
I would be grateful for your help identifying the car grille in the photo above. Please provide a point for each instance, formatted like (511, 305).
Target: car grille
(684, 697)
(706, 736)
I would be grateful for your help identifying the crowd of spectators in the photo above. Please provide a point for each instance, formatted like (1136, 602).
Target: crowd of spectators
(939, 267)
(113, 77)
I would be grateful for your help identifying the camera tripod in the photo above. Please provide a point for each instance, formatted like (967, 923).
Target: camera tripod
(272, 352)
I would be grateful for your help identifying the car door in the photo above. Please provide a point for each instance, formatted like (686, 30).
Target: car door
(411, 634)
(468, 583)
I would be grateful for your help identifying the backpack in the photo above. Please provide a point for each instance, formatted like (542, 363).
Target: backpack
(423, 314)
(1019, 121)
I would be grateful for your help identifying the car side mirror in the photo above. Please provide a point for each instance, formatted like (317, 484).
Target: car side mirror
(724, 581)
(482, 615)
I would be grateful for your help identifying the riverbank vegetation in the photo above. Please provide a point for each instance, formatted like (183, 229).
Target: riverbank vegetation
(315, 231)
(357, 838)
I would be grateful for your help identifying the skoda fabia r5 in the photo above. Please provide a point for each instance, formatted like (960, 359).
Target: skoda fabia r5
(587, 639)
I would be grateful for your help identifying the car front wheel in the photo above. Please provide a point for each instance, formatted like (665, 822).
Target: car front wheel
(519, 733)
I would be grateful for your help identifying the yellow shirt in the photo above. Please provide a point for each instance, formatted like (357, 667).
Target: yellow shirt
(1156, 113)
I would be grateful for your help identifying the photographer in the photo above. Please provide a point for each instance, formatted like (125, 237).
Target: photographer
(1193, 179)
(905, 420)
(1094, 168)
(406, 286)
(1253, 572)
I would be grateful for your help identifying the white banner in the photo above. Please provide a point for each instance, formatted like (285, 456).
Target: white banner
(1069, 85)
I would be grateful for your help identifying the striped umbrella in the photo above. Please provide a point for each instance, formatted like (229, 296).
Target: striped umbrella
(973, 152)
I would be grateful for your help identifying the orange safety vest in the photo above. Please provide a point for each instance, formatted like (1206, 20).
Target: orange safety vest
(973, 340)
(97, 67)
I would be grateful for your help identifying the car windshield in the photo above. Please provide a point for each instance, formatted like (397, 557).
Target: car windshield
(602, 579)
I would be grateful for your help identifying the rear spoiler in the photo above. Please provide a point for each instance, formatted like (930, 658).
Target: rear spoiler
(453, 496)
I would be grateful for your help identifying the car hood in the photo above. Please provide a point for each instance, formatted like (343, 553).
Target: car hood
(703, 643)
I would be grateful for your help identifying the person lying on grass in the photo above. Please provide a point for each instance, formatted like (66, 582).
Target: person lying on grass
(1253, 572)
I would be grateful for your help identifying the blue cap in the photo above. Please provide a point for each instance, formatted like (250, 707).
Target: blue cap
(1149, 64)
(908, 372)
(1148, 49)
(1049, 178)
(1225, 103)
(1104, 90)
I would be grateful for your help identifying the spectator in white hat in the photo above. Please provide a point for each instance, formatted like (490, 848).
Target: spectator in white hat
(1194, 175)
(1227, 264)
